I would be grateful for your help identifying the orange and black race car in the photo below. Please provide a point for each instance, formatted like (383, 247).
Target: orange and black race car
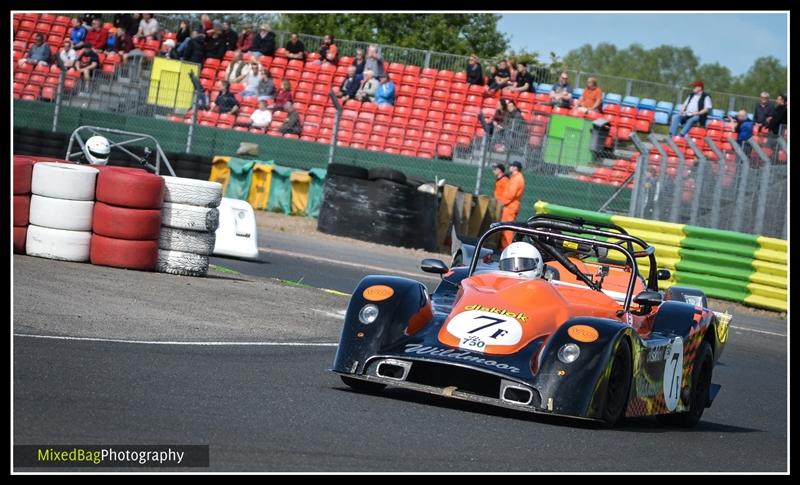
(589, 339)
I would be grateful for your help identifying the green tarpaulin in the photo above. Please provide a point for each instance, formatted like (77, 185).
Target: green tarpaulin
(315, 191)
(240, 179)
(280, 190)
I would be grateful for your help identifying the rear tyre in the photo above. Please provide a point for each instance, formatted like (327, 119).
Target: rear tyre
(618, 387)
(360, 385)
(701, 383)
(350, 171)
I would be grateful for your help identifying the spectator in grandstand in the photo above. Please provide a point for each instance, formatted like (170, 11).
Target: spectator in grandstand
(252, 79)
(295, 48)
(148, 27)
(368, 87)
(266, 87)
(264, 42)
(87, 62)
(592, 97)
(292, 124)
(226, 101)
(763, 111)
(67, 54)
(111, 40)
(261, 117)
(169, 50)
(515, 128)
(215, 46)
(124, 44)
(195, 51)
(77, 33)
(206, 23)
(561, 94)
(778, 118)
(385, 92)
(500, 181)
(359, 62)
(511, 199)
(501, 77)
(183, 33)
(744, 129)
(474, 71)
(373, 62)
(523, 80)
(329, 59)
(97, 36)
(204, 100)
(88, 18)
(245, 42)
(126, 21)
(499, 117)
(693, 111)
(350, 85)
(39, 53)
(284, 95)
(229, 36)
(327, 46)
(237, 69)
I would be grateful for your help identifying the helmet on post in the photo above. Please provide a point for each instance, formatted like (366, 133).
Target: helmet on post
(97, 150)
(522, 258)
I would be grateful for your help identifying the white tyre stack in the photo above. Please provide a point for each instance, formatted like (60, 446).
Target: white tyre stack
(61, 211)
(189, 218)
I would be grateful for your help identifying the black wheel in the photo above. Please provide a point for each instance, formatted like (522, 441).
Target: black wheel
(360, 385)
(618, 387)
(698, 400)
(387, 174)
(351, 171)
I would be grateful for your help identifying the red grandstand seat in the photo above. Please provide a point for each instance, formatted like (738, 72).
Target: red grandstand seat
(716, 125)
(31, 90)
(423, 92)
(429, 73)
(645, 114)
(627, 111)
(403, 101)
(627, 122)
(419, 115)
(475, 89)
(421, 103)
(642, 126)
(406, 90)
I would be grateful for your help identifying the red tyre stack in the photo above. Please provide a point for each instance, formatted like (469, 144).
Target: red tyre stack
(126, 222)
(23, 169)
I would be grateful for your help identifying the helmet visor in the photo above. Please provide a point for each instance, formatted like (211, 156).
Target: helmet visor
(98, 155)
(517, 265)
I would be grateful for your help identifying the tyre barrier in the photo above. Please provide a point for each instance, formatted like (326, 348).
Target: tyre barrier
(45, 242)
(188, 220)
(124, 253)
(23, 172)
(724, 264)
(22, 207)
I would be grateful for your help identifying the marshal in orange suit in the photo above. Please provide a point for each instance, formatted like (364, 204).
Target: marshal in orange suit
(511, 199)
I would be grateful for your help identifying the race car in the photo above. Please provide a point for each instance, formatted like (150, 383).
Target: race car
(562, 323)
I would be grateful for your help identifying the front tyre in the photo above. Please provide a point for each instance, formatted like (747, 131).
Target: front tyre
(618, 387)
(361, 385)
(701, 384)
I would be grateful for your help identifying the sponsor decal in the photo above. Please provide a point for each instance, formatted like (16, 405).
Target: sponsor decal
(583, 333)
(673, 371)
(519, 316)
(476, 329)
(460, 355)
(570, 245)
(657, 354)
(723, 320)
(378, 293)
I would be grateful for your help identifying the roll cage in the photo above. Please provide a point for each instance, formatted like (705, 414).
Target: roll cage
(544, 229)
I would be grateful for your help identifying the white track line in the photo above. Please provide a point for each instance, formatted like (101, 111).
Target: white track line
(759, 331)
(345, 263)
(157, 342)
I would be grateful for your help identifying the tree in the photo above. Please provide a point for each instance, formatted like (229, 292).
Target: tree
(766, 74)
(716, 76)
(462, 34)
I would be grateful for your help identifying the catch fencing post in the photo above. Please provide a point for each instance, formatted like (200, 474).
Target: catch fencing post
(641, 163)
(702, 163)
(484, 151)
(716, 202)
(335, 137)
(763, 187)
(676, 200)
(744, 164)
(662, 174)
(59, 91)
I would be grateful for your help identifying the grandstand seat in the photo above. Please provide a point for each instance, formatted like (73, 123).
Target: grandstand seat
(429, 73)
(406, 90)
(632, 101)
(664, 107)
(642, 126)
(612, 98)
(404, 101)
(717, 114)
(410, 80)
(442, 84)
(412, 69)
(32, 92)
(647, 103)
(280, 61)
(662, 118)
(627, 111)
(439, 95)
(543, 88)
(558, 110)
(417, 116)
(626, 122)
(475, 89)
(592, 115)
(459, 87)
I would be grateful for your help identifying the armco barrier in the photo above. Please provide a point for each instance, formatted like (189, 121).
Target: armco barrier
(724, 264)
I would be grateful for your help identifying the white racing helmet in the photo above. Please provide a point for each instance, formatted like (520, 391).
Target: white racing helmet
(97, 150)
(522, 258)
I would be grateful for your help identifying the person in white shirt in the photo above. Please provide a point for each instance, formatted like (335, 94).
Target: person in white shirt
(67, 54)
(252, 79)
(693, 111)
(148, 27)
(262, 117)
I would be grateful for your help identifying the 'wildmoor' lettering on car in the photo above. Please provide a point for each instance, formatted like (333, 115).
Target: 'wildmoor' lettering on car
(420, 349)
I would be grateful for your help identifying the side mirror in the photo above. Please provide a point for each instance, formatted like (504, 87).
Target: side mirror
(435, 266)
(663, 274)
(648, 298)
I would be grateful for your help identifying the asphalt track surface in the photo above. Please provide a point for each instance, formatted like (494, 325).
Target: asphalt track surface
(262, 404)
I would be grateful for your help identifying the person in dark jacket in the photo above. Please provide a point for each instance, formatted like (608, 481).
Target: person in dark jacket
(264, 42)
(292, 124)
(350, 85)
(474, 71)
(215, 47)
(778, 118)
(360, 62)
(126, 21)
(295, 49)
(744, 128)
(226, 101)
(183, 33)
(245, 42)
(763, 111)
(195, 51)
(229, 36)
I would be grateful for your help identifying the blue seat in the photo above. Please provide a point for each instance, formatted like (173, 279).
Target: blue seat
(647, 103)
(577, 93)
(544, 88)
(716, 114)
(750, 116)
(661, 118)
(664, 107)
(732, 114)
(631, 101)
(613, 98)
